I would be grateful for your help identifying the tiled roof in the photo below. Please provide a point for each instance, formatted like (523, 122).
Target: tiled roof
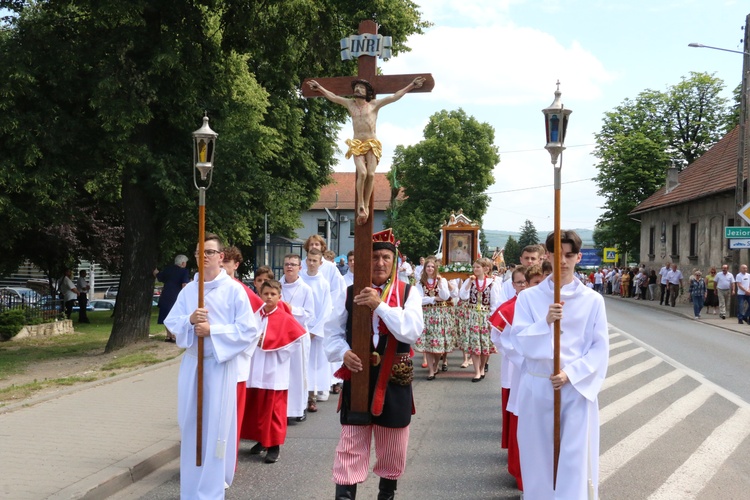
(343, 184)
(714, 172)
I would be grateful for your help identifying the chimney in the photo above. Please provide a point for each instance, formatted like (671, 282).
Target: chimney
(672, 181)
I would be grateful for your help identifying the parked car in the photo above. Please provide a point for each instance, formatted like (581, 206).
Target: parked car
(111, 292)
(102, 304)
(19, 295)
(77, 308)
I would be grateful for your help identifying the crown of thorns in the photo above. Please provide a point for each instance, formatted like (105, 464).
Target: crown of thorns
(370, 91)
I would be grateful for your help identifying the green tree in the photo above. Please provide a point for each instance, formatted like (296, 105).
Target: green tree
(512, 251)
(101, 98)
(641, 138)
(450, 169)
(528, 235)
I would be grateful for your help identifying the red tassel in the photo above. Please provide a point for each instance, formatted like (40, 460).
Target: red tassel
(343, 373)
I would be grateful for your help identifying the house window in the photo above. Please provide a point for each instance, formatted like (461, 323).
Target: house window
(693, 240)
(651, 237)
(675, 240)
(351, 227)
(323, 227)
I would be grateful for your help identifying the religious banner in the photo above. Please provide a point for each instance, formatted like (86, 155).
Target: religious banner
(460, 246)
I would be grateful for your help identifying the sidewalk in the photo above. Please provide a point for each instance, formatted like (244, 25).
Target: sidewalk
(93, 440)
(686, 310)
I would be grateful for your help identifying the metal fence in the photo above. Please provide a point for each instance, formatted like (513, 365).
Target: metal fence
(42, 311)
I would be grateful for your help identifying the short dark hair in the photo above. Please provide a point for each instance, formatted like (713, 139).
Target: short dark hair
(233, 253)
(271, 284)
(566, 236)
(293, 256)
(214, 237)
(264, 270)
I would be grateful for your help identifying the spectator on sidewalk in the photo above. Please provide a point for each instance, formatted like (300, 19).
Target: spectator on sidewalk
(664, 298)
(697, 293)
(652, 279)
(174, 278)
(674, 279)
(724, 288)
(742, 289)
(712, 300)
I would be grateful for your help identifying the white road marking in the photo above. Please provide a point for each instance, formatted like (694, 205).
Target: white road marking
(625, 403)
(631, 372)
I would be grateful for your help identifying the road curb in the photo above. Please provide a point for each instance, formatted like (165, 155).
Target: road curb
(119, 476)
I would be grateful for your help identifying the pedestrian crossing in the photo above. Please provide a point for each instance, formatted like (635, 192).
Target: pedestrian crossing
(666, 432)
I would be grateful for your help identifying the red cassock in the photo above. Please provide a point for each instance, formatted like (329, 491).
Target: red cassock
(256, 303)
(501, 319)
(265, 410)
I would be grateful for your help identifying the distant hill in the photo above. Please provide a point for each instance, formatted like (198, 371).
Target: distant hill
(498, 238)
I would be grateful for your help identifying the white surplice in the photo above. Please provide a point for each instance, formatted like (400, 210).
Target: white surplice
(234, 329)
(584, 355)
(318, 369)
(300, 299)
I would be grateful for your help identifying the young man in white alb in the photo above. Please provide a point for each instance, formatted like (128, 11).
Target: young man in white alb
(318, 368)
(299, 296)
(584, 354)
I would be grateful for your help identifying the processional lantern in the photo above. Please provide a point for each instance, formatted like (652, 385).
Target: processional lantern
(556, 124)
(204, 142)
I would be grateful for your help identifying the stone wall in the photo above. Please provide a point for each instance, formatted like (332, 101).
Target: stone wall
(46, 329)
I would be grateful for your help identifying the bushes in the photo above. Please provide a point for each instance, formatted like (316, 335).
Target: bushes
(11, 322)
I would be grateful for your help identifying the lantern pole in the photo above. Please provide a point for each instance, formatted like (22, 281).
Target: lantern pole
(556, 123)
(204, 141)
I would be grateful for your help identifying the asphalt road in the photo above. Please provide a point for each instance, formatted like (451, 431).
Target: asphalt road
(675, 425)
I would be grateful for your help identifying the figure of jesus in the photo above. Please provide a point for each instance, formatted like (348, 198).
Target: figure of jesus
(364, 146)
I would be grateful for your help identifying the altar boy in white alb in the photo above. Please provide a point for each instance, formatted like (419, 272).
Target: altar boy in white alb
(229, 328)
(584, 354)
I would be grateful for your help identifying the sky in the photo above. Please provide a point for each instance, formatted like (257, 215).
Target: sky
(499, 60)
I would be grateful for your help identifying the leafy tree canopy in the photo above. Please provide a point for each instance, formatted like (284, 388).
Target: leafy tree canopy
(641, 138)
(450, 169)
(100, 98)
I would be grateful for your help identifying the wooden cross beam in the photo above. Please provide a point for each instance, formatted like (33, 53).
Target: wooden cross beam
(361, 320)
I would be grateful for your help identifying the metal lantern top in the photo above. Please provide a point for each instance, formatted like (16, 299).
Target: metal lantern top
(556, 125)
(204, 142)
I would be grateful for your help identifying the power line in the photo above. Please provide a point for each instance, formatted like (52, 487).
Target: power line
(540, 187)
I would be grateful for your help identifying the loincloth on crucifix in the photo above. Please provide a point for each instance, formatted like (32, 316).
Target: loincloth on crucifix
(361, 148)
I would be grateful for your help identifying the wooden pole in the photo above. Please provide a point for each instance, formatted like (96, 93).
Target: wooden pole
(556, 276)
(362, 319)
(201, 249)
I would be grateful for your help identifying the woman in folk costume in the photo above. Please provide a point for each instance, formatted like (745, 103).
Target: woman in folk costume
(439, 323)
(480, 295)
(265, 412)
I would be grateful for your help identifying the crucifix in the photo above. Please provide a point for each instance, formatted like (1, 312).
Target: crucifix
(366, 151)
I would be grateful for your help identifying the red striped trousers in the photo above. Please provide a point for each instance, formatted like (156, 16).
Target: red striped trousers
(352, 461)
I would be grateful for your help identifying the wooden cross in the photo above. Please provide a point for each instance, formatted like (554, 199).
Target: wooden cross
(361, 320)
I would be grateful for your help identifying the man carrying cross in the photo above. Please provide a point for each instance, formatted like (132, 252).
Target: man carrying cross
(365, 146)
(396, 323)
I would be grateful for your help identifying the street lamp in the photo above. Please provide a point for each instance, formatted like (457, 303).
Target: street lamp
(739, 193)
(204, 142)
(556, 125)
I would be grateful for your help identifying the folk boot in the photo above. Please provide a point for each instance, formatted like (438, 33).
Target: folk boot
(387, 489)
(346, 491)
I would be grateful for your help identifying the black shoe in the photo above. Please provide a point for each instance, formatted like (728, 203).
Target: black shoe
(430, 377)
(303, 417)
(346, 491)
(445, 367)
(273, 455)
(476, 379)
(387, 489)
(486, 367)
(723, 317)
(257, 449)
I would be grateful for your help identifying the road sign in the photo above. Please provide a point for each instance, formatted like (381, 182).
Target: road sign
(739, 243)
(736, 232)
(609, 255)
(745, 213)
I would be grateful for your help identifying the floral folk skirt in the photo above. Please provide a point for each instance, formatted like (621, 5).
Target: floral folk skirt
(439, 334)
(474, 329)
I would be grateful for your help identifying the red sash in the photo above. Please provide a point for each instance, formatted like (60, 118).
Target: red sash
(396, 299)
